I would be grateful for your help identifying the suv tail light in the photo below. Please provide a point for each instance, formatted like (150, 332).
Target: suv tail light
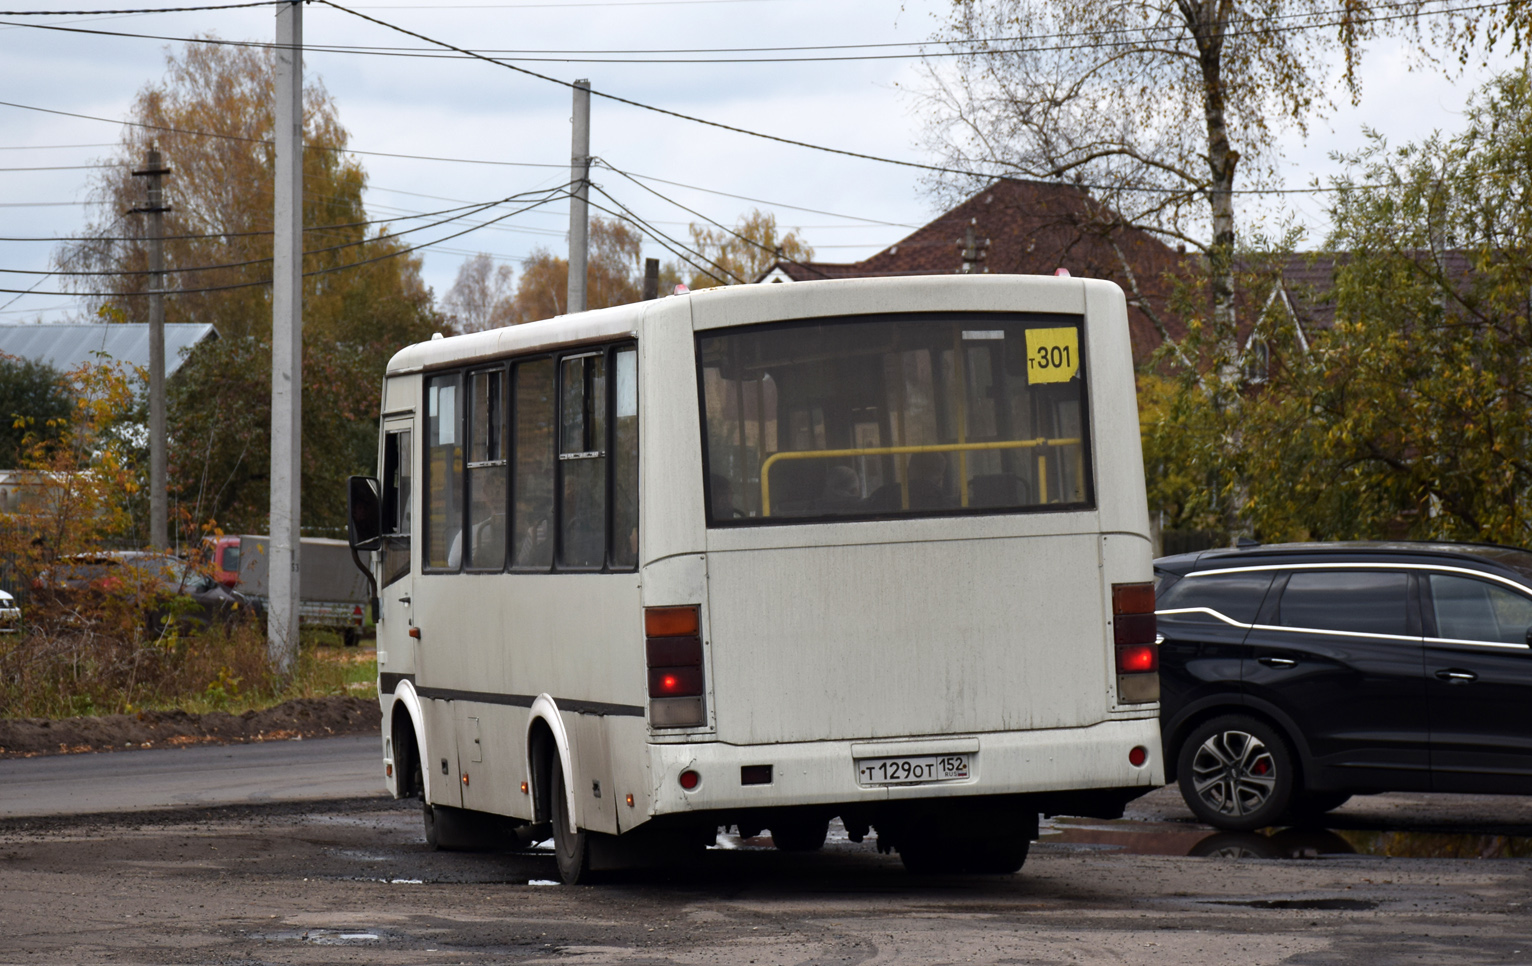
(673, 656)
(1134, 633)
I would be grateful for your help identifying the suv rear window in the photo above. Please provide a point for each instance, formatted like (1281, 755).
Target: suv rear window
(1236, 597)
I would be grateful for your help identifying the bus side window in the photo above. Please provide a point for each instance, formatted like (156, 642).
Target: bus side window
(582, 461)
(625, 460)
(487, 470)
(396, 506)
(444, 474)
(532, 426)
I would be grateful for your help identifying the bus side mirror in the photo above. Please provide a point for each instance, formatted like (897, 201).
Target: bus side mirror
(364, 513)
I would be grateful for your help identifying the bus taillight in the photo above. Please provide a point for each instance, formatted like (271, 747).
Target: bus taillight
(1134, 632)
(673, 657)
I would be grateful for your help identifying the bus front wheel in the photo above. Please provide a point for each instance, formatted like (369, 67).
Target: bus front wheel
(571, 846)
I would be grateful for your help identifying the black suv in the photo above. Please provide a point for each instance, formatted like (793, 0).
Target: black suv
(1294, 676)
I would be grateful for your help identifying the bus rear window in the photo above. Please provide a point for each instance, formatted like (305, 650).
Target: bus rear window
(895, 416)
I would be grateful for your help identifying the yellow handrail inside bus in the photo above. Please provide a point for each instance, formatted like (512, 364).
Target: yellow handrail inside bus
(824, 454)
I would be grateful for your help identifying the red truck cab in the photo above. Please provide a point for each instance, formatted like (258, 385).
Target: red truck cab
(224, 553)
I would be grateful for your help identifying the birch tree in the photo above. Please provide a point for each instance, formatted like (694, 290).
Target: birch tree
(1165, 109)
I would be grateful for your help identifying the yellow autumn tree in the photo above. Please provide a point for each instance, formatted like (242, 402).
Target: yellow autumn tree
(613, 276)
(741, 255)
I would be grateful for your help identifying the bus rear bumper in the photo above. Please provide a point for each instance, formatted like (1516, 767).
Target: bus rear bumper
(825, 773)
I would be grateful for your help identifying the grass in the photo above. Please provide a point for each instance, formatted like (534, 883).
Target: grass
(66, 671)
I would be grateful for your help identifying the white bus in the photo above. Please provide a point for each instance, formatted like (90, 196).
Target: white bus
(764, 556)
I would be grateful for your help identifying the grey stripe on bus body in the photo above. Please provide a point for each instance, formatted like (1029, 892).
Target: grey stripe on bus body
(389, 682)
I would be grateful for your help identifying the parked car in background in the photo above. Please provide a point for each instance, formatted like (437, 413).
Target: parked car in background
(10, 614)
(1295, 676)
(332, 592)
(155, 580)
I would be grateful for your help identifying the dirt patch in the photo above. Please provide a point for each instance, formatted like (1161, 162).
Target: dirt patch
(299, 718)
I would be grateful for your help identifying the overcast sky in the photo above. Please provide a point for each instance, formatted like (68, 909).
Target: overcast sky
(469, 109)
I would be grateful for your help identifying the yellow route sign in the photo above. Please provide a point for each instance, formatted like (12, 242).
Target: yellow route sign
(1053, 355)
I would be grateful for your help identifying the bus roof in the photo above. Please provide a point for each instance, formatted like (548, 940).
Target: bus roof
(739, 304)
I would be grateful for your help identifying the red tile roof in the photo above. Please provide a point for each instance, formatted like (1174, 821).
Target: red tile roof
(1032, 228)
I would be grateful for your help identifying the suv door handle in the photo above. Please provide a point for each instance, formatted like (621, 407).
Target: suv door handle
(1456, 676)
(1277, 661)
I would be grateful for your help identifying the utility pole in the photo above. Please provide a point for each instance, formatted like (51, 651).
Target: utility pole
(286, 343)
(651, 278)
(579, 220)
(155, 208)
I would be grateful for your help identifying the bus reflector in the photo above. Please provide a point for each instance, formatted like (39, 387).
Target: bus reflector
(671, 621)
(1138, 756)
(690, 779)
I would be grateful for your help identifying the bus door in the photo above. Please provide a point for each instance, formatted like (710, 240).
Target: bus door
(396, 575)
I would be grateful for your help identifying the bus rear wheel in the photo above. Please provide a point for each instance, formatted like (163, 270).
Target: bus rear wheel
(571, 846)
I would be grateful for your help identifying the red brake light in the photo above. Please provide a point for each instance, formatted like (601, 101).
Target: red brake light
(675, 682)
(1138, 658)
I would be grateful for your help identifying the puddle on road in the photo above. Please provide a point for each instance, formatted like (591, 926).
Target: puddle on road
(1320, 905)
(1141, 838)
(326, 937)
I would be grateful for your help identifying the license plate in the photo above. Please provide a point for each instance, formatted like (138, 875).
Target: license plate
(912, 770)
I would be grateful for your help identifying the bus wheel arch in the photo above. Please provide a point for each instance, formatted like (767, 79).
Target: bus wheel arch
(547, 749)
(411, 777)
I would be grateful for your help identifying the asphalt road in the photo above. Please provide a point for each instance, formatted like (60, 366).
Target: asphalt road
(274, 771)
(1396, 880)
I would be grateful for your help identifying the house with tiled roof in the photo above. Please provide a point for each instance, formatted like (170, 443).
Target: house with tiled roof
(1025, 228)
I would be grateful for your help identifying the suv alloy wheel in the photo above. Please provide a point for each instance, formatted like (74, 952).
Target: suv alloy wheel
(1236, 773)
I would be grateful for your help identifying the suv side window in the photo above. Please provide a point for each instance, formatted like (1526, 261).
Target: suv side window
(1235, 597)
(1475, 610)
(1357, 601)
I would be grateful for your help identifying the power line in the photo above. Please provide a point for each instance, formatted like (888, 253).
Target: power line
(937, 169)
(1134, 34)
(109, 13)
(668, 243)
(53, 147)
(67, 167)
(240, 234)
(750, 241)
(484, 206)
(236, 137)
(319, 271)
(587, 3)
(32, 291)
(775, 204)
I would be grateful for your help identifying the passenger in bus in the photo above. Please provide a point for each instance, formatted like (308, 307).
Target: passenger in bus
(584, 542)
(486, 535)
(842, 492)
(536, 545)
(926, 474)
(723, 498)
(928, 481)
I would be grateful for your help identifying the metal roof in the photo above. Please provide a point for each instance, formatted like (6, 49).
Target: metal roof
(66, 346)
